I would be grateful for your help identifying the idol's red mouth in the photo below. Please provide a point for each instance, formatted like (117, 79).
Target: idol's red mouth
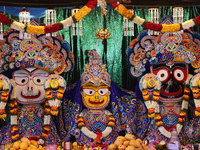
(171, 93)
(31, 97)
(96, 103)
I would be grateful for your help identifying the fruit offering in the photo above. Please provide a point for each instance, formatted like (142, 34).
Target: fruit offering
(24, 144)
(127, 142)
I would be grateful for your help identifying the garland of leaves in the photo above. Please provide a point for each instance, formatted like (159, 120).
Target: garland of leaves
(86, 9)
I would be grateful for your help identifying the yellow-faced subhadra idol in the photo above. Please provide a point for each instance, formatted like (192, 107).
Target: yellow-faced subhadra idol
(99, 108)
(31, 86)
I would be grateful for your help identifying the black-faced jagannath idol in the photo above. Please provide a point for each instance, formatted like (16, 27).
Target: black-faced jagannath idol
(36, 93)
(108, 108)
(166, 90)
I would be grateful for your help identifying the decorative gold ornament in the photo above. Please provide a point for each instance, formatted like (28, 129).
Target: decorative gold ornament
(151, 83)
(102, 34)
(54, 84)
(1, 85)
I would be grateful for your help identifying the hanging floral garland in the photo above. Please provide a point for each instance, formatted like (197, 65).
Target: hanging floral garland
(150, 81)
(86, 9)
(194, 85)
(5, 85)
(59, 83)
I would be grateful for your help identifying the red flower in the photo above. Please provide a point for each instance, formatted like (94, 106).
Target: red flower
(153, 26)
(198, 20)
(91, 4)
(5, 20)
(114, 4)
(52, 28)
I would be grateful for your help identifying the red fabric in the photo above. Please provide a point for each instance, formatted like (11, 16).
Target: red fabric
(91, 4)
(99, 133)
(114, 4)
(5, 20)
(34, 138)
(52, 28)
(153, 26)
(170, 128)
(198, 20)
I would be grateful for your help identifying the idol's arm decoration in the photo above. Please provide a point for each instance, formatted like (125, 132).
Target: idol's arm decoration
(195, 84)
(150, 81)
(53, 82)
(84, 129)
(5, 86)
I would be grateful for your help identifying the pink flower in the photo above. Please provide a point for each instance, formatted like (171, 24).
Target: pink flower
(51, 147)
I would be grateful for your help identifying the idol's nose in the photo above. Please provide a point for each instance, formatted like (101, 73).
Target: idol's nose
(30, 86)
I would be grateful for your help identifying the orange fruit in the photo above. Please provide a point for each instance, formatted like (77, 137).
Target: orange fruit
(33, 148)
(29, 148)
(25, 139)
(23, 145)
(7, 145)
(16, 145)
(12, 148)
(35, 143)
(40, 147)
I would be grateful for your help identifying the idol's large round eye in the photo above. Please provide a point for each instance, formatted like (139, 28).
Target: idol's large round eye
(178, 75)
(163, 75)
(39, 80)
(102, 91)
(21, 80)
(89, 92)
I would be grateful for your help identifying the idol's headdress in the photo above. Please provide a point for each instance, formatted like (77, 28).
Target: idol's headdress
(95, 71)
(52, 54)
(149, 50)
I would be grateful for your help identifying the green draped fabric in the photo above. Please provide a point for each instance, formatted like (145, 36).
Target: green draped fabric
(113, 51)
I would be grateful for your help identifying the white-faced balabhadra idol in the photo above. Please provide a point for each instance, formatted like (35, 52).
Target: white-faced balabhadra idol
(32, 87)
(162, 62)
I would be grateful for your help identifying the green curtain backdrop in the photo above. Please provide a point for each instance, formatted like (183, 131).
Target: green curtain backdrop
(113, 51)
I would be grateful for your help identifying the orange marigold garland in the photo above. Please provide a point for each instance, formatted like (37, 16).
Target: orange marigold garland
(86, 9)
(196, 94)
(13, 114)
(149, 79)
(55, 103)
(4, 95)
(46, 122)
